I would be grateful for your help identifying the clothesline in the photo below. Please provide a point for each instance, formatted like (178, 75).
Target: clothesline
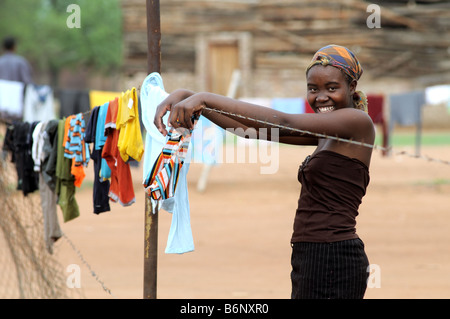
(111, 152)
(50, 156)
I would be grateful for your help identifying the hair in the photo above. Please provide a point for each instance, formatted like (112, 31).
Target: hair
(359, 97)
(9, 43)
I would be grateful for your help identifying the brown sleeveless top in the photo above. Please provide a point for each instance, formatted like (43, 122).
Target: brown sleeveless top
(333, 186)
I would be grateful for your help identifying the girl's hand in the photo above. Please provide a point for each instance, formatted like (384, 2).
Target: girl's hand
(166, 106)
(182, 114)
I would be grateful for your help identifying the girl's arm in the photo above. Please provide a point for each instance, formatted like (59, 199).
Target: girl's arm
(252, 130)
(345, 123)
(236, 125)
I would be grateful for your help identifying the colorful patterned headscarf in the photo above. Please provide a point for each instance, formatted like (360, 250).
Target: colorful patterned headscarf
(343, 59)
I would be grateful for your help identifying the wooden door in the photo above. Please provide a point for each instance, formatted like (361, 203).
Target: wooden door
(223, 60)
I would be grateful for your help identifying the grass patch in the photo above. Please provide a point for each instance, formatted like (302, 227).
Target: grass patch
(409, 139)
(434, 182)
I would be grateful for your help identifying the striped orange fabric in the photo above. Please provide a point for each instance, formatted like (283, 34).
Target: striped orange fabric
(340, 57)
(162, 180)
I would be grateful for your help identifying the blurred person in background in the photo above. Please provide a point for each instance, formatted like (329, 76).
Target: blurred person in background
(14, 67)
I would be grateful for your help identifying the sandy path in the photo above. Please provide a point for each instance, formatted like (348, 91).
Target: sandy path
(242, 225)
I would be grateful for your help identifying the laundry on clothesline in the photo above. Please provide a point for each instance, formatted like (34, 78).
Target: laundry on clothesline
(180, 239)
(50, 155)
(162, 180)
(11, 99)
(406, 108)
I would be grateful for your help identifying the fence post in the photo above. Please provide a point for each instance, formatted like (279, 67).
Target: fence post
(151, 213)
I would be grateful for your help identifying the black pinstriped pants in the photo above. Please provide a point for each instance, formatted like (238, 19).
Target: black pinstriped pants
(337, 270)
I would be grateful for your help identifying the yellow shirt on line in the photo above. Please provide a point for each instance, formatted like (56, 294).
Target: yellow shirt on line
(130, 142)
(98, 98)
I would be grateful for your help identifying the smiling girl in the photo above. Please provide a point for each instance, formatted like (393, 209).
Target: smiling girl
(328, 258)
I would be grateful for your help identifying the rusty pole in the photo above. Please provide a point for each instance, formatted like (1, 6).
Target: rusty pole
(151, 213)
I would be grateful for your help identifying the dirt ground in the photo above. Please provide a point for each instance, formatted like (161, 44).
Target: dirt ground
(242, 225)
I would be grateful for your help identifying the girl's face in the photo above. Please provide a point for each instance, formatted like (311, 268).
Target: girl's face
(328, 89)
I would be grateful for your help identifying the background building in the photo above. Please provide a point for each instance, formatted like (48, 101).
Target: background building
(271, 42)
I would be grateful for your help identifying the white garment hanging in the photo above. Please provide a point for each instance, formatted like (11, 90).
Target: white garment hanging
(38, 144)
(38, 104)
(11, 97)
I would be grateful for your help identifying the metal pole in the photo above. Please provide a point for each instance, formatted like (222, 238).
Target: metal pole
(151, 213)
(153, 36)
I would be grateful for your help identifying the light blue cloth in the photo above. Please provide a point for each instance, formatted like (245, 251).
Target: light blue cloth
(207, 141)
(180, 238)
(100, 140)
(406, 108)
(292, 105)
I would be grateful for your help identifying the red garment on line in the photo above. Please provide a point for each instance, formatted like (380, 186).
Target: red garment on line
(308, 108)
(376, 103)
(121, 188)
(376, 113)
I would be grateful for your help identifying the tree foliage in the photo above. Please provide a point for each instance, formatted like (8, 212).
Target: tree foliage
(45, 39)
